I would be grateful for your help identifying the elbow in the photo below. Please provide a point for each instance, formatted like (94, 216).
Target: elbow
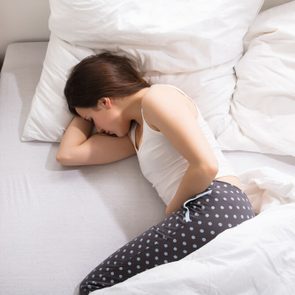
(63, 159)
(210, 170)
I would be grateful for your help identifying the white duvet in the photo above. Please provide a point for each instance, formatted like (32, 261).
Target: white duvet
(263, 104)
(256, 257)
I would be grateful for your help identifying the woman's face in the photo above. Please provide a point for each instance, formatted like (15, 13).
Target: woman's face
(107, 117)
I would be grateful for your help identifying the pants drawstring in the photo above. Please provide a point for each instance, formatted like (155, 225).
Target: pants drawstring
(187, 213)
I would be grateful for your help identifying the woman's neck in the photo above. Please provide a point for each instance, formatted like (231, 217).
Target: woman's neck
(134, 104)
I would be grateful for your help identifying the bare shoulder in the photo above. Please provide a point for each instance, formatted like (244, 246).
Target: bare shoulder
(161, 99)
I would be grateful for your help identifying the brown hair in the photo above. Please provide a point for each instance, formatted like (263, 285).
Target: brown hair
(102, 75)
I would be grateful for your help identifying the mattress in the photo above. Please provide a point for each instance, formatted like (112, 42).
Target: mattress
(57, 223)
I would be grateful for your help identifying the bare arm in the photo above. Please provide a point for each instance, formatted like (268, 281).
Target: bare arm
(79, 147)
(172, 116)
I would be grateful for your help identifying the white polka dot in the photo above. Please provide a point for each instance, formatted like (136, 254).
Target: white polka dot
(129, 263)
(175, 256)
(217, 192)
(156, 258)
(193, 237)
(210, 223)
(184, 251)
(229, 225)
(195, 246)
(199, 222)
(156, 250)
(112, 273)
(147, 262)
(174, 249)
(226, 216)
(203, 239)
(184, 243)
(165, 253)
(129, 271)
(174, 241)
(212, 232)
(165, 245)
(216, 199)
(220, 224)
(217, 215)
(212, 207)
(207, 215)
(191, 228)
(201, 230)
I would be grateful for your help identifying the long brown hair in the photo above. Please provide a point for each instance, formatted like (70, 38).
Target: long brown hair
(102, 75)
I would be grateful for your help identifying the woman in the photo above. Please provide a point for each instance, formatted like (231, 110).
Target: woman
(176, 151)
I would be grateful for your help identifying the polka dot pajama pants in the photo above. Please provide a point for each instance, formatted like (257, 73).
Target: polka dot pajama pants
(201, 219)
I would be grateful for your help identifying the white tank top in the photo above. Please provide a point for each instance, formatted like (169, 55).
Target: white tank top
(162, 165)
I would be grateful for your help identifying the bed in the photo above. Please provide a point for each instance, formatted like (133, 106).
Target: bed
(57, 224)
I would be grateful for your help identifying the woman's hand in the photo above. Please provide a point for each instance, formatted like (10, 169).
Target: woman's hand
(169, 210)
(79, 147)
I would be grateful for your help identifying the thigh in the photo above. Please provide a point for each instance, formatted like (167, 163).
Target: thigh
(175, 237)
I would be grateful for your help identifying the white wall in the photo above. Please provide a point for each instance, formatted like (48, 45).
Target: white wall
(22, 20)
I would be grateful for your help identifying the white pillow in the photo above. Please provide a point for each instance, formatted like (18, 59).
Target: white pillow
(263, 106)
(49, 113)
(192, 44)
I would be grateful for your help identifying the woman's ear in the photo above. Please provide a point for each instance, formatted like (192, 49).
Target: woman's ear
(104, 103)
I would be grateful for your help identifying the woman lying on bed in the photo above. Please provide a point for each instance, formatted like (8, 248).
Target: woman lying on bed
(177, 154)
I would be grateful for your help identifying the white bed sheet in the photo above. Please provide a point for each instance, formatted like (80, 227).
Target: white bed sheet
(57, 224)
